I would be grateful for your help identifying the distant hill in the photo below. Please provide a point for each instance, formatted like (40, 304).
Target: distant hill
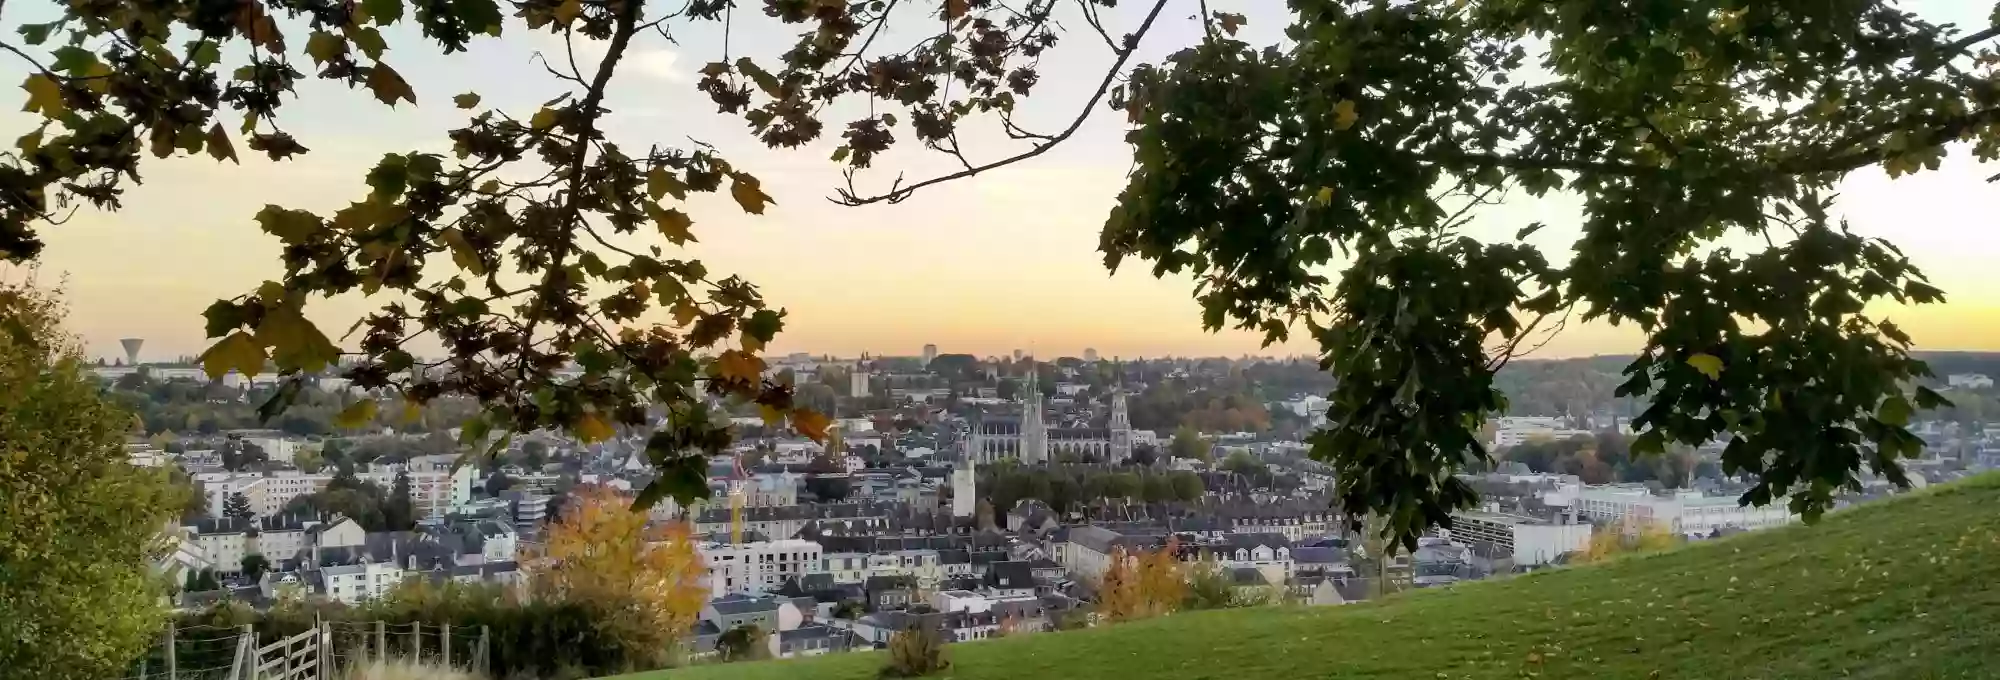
(1903, 588)
(1549, 387)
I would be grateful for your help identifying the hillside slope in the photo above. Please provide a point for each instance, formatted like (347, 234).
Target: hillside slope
(1907, 588)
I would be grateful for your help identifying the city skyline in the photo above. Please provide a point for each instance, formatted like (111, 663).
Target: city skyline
(982, 266)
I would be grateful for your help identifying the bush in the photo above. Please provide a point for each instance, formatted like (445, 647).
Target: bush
(915, 653)
(743, 643)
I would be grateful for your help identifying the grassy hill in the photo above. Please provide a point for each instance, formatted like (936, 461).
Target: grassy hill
(1905, 589)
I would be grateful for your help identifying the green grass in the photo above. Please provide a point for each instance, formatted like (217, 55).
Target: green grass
(1906, 589)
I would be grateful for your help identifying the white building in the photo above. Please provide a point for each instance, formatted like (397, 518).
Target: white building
(358, 583)
(1968, 381)
(757, 567)
(1531, 541)
(1518, 430)
(1687, 511)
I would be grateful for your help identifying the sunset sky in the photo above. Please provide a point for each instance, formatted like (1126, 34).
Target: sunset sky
(1001, 262)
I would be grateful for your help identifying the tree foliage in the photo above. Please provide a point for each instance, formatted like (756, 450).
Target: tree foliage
(80, 527)
(643, 582)
(1331, 193)
(1383, 127)
(1142, 584)
(916, 652)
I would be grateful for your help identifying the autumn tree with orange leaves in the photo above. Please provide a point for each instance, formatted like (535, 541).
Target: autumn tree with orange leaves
(645, 583)
(1142, 584)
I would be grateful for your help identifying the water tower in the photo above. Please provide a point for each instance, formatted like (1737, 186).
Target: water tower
(132, 350)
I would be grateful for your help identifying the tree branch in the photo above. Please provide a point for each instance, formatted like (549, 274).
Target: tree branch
(898, 193)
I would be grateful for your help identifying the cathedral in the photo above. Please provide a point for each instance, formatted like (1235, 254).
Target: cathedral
(1028, 439)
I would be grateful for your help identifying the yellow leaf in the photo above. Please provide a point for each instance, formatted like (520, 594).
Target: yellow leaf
(389, 86)
(748, 194)
(467, 100)
(412, 411)
(772, 416)
(296, 344)
(28, 143)
(44, 95)
(751, 343)
(544, 119)
(685, 313)
(1708, 364)
(673, 223)
(568, 11)
(461, 251)
(238, 352)
(219, 147)
(356, 415)
(810, 423)
(1325, 195)
(740, 366)
(593, 428)
(660, 182)
(1344, 115)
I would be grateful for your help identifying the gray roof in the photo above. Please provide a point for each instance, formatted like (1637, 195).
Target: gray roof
(1318, 556)
(742, 604)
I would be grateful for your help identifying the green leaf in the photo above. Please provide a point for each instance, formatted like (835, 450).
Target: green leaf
(479, 16)
(466, 101)
(1708, 364)
(357, 415)
(73, 60)
(390, 176)
(324, 47)
(1649, 443)
(282, 399)
(1894, 411)
(239, 352)
(660, 182)
(219, 146)
(384, 12)
(762, 325)
(291, 226)
(223, 317)
(36, 34)
(370, 42)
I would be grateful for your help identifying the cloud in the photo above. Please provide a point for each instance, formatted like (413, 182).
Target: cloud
(651, 62)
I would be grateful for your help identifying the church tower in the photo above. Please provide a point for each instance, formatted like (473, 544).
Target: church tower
(1034, 435)
(1121, 427)
(964, 501)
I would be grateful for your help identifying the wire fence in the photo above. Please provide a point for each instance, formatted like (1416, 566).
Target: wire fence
(212, 652)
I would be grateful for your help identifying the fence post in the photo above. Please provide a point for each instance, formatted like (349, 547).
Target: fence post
(444, 642)
(381, 641)
(246, 655)
(416, 640)
(285, 662)
(171, 634)
(324, 648)
(485, 658)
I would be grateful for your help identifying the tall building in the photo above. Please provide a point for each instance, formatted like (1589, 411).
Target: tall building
(964, 492)
(1121, 427)
(857, 381)
(930, 353)
(1090, 354)
(1034, 434)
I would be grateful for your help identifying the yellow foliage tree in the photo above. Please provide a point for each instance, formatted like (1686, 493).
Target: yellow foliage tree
(1142, 584)
(1633, 535)
(645, 582)
(1163, 584)
(1118, 594)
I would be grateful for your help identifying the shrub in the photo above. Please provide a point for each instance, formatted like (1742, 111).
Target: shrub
(916, 652)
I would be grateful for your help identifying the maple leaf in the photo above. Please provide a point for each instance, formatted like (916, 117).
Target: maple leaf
(739, 366)
(672, 223)
(389, 86)
(238, 352)
(592, 428)
(748, 194)
(357, 415)
(810, 423)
